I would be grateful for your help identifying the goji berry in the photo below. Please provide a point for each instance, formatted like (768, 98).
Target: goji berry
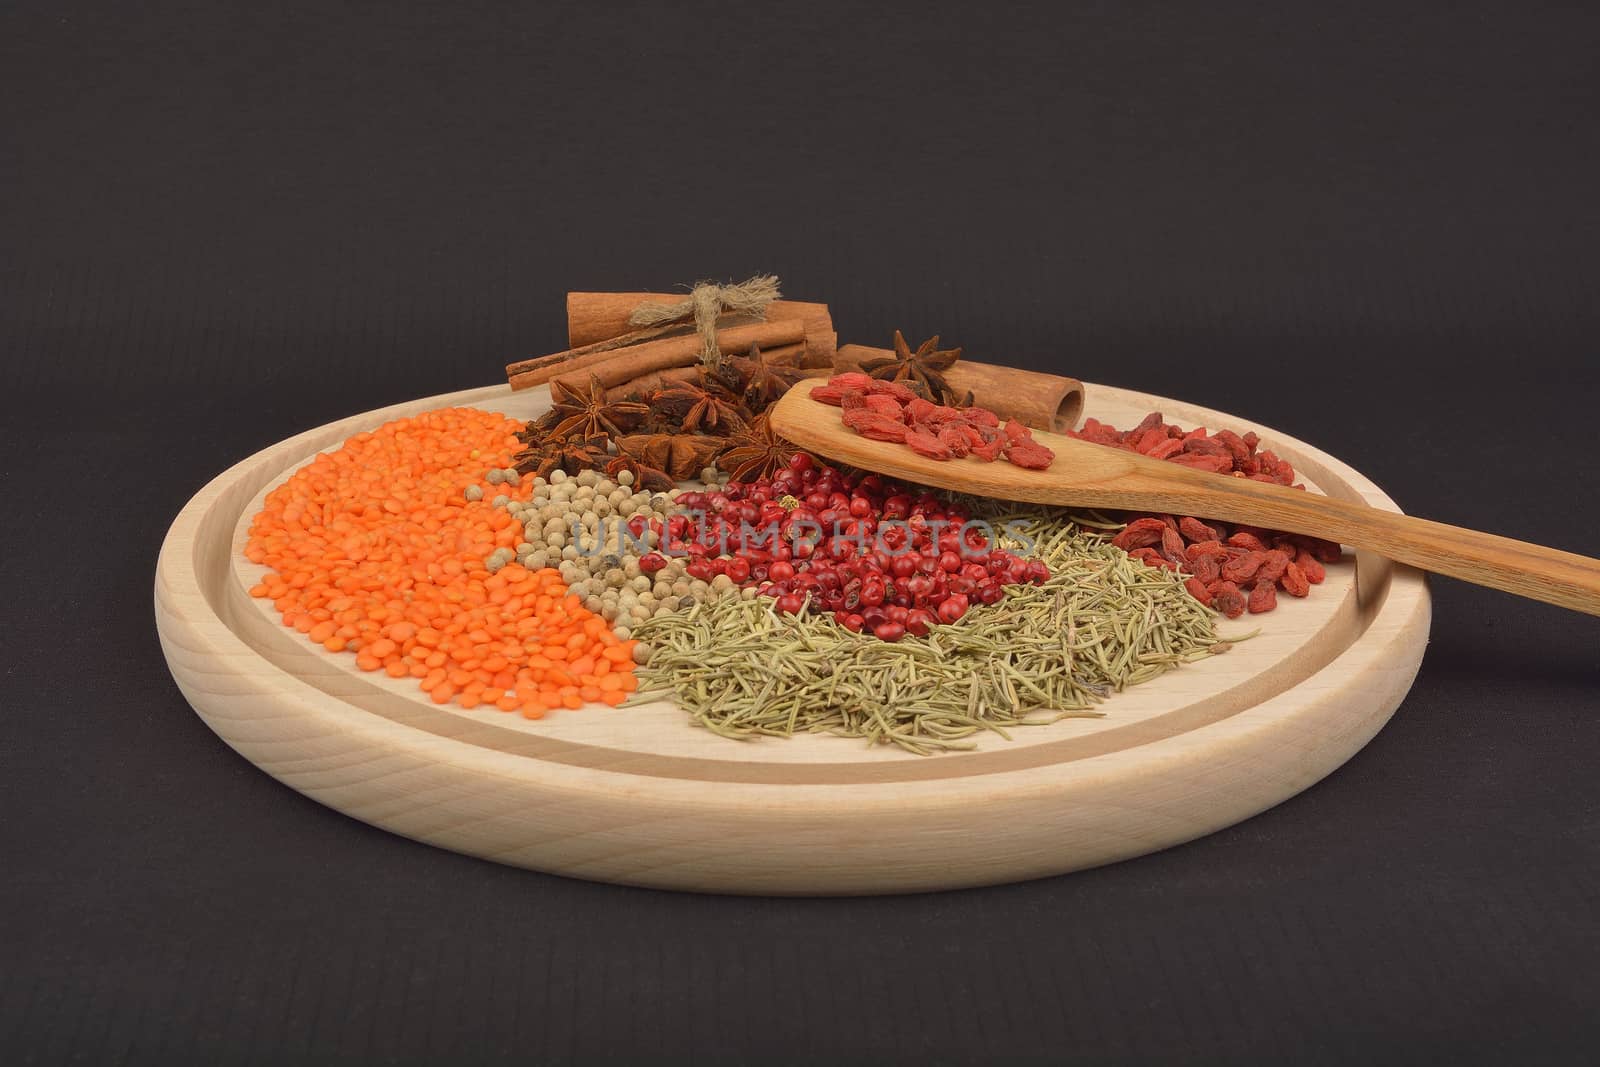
(1030, 454)
(1294, 582)
(1247, 541)
(1310, 567)
(887, 406)
(869, 423)
(1207, 446)
(981, 416)
(899, 390)
(1139, 533)
(883, 430)
(1234, 444)
(1227, 598)
(1167, 449)
(1263, 597)
(1325, 551)
(852, 379)
(973, 435)
(990, 450)
(1148, 423)
(1211, 464)
(855, 417)
(1243, 568)
(1195, 530)
(925, 444)
(1172, 545)
(1207, 568)
(1150, 439)
(1273, 566)
(955, 441)
(1213, 549)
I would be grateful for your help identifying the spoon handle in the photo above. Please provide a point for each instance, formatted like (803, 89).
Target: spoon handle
(1555, 577)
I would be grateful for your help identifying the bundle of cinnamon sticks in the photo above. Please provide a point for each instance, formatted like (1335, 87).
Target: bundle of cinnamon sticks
(632, 360)
(628, 359)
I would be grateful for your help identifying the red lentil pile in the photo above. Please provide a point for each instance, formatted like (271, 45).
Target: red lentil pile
(892, 411)
(376, 549)
(1234, 569)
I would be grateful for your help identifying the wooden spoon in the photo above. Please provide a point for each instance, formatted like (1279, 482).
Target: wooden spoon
(1095, 476)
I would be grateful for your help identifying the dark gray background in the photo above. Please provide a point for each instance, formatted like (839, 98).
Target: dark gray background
(1372, 226)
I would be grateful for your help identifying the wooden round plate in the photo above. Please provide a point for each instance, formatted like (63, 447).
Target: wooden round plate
(641, 796)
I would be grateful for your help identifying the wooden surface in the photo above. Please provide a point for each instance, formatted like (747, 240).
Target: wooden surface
(1095, 476)
(638, 795)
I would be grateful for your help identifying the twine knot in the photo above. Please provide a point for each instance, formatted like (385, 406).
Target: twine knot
(707, 302)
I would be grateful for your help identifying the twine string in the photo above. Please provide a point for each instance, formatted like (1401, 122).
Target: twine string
(707, 302)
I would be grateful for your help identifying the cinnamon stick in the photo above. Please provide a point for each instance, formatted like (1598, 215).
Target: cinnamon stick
(1044, 401)
(649, 383)
(537, 371)
(821, 341)
(625, 364)
(782, 353)
(593, 317)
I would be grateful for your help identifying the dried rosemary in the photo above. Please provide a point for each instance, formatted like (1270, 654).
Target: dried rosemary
(1101, 623)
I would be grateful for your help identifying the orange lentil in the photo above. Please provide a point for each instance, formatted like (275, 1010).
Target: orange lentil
(372, 549)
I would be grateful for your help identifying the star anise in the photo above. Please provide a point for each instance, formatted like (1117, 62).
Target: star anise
(692, 407)
(682, 456)
(766, 378)
(922, 370)
(723, 378)
(585, 412)
(644, 475)
(756, 452)
(570, 454)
